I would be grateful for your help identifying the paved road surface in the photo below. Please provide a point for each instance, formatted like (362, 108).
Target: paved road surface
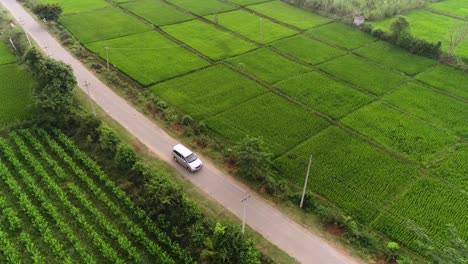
(268, 221)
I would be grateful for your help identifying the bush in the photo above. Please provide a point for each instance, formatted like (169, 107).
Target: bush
(253, 159)
(125, 156)
(187, 120)
(50, 12)
(107, 138)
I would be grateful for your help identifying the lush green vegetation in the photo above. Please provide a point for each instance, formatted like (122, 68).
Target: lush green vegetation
(267, 65)
(156, 12)
(366, 75)
(207, 92)
(209, 40)
(282, 124)
(399, 132)
(102, 24)
(16, 103)
(356, 176)
(452, 167)
(452, 7)
(289, 14)
(72, 6)
(307, 49)
(446, 79)
(251, 26)
(431, 106)
(341, 35)
(6, 55)
(136, 55)
(323, 94)
(206, 7)
(248, 2)
(400, 59)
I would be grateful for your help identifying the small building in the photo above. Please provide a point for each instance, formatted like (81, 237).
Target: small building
(359, 20)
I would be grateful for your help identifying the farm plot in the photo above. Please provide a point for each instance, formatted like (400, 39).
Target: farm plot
(429, 26)
(368, 76)
(16, 103)
(348, 172)
(429, 205)
(288, 14)
(431, 106)
(73, 6)
(267, 65)
(208, 91)
(452, 7)
(68, 208)
(280, 123)
(203, 8)
(6, 55)
(307, 49)
(323, 94)
(341, 35)
(248, 2)
(251, 26)
(102, 24)
(396, 58)
(447, 79)
(209, 40)
(406, 135)
(453, 167)
(148, 57)
(156, 12)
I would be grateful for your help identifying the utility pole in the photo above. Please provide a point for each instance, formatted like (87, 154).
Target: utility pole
(90, 99)
(261, 31)
(305, 183)
(26, 33)
(244, 201)
(107, 57)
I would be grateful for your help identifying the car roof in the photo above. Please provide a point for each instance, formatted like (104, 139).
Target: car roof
(182, 150)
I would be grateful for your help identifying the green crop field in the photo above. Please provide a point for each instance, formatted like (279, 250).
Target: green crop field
(359, 72)
(323, 94)
(248, 2)
(203, 8)
(453, 167)
(399, 132)
(356, 176)
(432, 106)
(430, 205)
(16, 104)
(221, 87)
(267, 65)
(429, 26)
(289, 14)
(156, 12)
(341, 35)
(60, 207)
(209, 40)
(102, 24)
(399, 60)
(251, 26)
(307, 49)
(451, 7)
(446, 79)
(148, 57)
(280, 123)
(73, 6)
(6, 55)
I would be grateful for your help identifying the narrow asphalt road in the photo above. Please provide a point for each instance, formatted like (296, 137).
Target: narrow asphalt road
(297, 241)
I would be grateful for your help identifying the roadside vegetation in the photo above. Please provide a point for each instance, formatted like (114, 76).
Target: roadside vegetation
(378, 120)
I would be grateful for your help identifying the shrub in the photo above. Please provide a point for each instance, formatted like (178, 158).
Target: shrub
(125, 156)
(50, 12)
(253, 158)
(187, 120)
(107, 138)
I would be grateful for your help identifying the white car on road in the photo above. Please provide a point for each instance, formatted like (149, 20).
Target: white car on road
(187, 158)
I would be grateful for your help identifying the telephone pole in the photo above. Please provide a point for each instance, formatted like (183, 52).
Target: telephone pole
(90, 99)
(107, 57)
(244, 201)
(305, 183)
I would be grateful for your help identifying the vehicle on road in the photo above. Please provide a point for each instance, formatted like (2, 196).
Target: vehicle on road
(186, 157)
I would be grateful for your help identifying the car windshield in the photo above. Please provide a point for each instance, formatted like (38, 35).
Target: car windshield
(191, 158)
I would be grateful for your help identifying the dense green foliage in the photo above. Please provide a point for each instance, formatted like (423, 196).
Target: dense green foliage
(340, 35)
(209, 40)
(251, 26)
(136, 55)
(253, 158)
(72, 6)
(268, 66)
(49, 12)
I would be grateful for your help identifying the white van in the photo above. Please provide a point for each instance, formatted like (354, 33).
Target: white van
(187, 158)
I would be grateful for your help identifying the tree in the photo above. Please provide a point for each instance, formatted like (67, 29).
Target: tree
(49, 12)
(253, 158)
(53, 95)
(457, 35)
(125, 157)
(392, 251)
(401, 34)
